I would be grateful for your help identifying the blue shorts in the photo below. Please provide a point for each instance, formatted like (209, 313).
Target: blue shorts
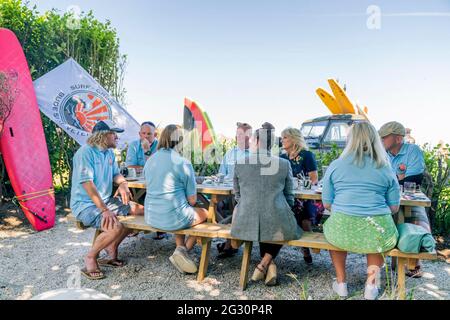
(92, 217)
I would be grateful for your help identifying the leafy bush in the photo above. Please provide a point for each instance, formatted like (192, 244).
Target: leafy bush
(50, 39)
(437, 161)
(324, 158)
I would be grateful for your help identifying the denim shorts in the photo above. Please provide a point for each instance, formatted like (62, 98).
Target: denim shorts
(92, 217)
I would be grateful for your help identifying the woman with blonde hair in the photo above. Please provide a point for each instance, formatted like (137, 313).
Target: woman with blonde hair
(303, 163)
(362, 192)
(172, 195)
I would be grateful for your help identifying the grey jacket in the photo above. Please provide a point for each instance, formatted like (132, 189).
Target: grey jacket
(263, 191)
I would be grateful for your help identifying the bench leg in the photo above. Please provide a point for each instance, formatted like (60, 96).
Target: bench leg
(204, 260)
(412, 264)
(245, 264)
(401, 279)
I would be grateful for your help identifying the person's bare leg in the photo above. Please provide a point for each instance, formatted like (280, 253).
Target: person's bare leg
(190, 242)
(338, 258)
(179, 240)
(103, 240)
(136, 209)
(266, 260)
(374, 264)
(113, 248)
(200, 216)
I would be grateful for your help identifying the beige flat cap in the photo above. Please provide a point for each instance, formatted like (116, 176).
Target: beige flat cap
(392, 127)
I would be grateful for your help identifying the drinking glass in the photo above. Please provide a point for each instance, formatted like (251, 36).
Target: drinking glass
(410, 187)
(307, 183)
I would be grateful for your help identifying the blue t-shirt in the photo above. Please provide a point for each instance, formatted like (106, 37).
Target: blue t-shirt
(305, 162)
(412, 157)
(360, 191)
(229, 161)
(92, 164)
(170, 179)
(136, 155)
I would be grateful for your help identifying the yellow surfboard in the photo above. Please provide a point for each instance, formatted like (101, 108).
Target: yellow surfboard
(341, 97)
(329, 101)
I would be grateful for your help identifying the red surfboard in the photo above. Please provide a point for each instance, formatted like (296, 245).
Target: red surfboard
(194, 117)
(22, 142)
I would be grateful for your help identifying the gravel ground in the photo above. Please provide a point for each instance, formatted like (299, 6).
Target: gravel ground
(33, 263)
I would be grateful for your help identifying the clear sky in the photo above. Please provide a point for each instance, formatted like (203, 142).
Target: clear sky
(258, 60)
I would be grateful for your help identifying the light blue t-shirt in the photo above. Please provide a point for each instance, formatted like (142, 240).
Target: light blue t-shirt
(412, 157)
(229, 161)
(92, 164)
(360, 191)
(135, 153)
(170, 178)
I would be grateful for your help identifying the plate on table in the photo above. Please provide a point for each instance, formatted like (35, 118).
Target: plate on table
(318, 190)
(132, 179)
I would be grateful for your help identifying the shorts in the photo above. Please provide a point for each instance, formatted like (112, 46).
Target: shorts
(92, 217)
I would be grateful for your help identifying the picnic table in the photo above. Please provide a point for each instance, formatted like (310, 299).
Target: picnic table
(226, 190)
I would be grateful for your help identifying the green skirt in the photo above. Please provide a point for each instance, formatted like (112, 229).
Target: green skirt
(372, 234)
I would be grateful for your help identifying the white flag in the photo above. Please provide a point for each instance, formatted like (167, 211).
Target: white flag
(70, 97)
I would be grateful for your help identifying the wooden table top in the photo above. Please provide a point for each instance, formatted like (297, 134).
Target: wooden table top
(409, 201)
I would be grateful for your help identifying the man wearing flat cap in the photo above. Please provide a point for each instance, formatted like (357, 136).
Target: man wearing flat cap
(409, 165)
(94, 172)
(406, 159)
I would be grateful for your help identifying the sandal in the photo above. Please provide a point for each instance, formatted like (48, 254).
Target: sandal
(415, 273)
(93, 275)
(159, 236)
(225, 253)
(115, 263)
(259, 273)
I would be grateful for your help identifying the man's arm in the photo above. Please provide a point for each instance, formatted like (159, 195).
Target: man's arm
(123, 189)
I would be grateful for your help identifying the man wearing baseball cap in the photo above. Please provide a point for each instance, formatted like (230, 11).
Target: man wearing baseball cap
(94, 172)
(409, 165)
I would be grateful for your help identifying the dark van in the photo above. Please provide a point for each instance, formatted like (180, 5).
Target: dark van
(321, 133)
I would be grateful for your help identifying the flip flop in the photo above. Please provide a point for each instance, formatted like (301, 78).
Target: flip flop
(133, 234)
(415, 273)
(93, 275)
(115, 263)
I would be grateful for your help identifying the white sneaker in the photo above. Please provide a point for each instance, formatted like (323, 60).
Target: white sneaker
(340, 289)
(181, 260)
(371, 292)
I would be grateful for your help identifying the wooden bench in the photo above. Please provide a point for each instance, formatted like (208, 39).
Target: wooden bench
(314, 240)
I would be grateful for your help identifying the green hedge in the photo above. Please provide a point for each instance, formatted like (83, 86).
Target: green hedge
(48, 40)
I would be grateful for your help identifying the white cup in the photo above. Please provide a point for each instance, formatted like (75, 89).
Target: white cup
(295, 183)
(131, 173)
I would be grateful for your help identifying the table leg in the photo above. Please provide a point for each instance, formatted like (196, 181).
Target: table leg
(408, 210)
(137, 194)
(212, 209)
